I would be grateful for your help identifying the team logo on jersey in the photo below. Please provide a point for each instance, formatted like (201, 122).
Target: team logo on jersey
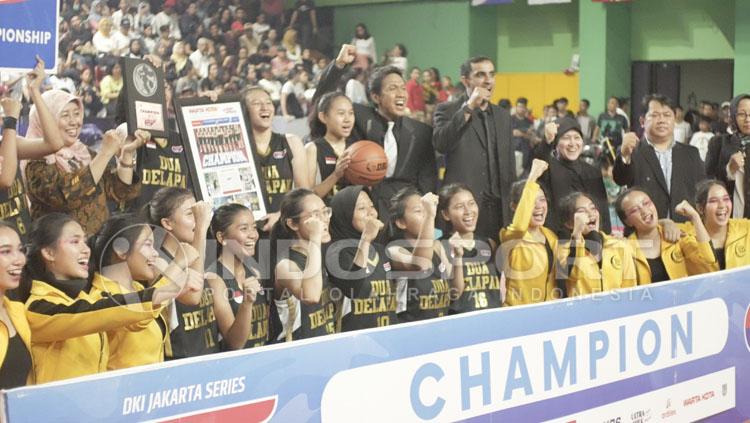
(177, 149)
(330, 160)
(238, 296)
(387, 266)
(747, 328)
(144, 80)
(279, 154)
(485, 253)
(740, 250)
(616, 262)
(677, 256)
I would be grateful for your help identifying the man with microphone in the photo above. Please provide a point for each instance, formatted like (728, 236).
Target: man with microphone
(475, 137)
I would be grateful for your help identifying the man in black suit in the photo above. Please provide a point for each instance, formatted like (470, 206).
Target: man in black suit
(667, 170)
(415, 157)
(475, 137)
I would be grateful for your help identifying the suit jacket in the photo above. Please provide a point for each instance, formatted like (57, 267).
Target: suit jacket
(416, 157)
(466, 148)
(644, 172)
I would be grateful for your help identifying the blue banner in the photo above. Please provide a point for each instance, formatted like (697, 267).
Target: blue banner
(670, 351)
(28, 28)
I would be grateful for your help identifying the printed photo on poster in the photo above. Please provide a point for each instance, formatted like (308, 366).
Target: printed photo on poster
(220, 153)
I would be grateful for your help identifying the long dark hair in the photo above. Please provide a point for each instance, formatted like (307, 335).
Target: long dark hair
(567, 206)
(702, 190)
(366, 34)
(397, 210)
(120, 232)
(164, 203)
(317, 127)
(445, 195)
(44, 233)
(223, 218)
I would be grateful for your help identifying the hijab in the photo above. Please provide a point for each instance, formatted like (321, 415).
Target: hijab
(343, 205)
(70, 157)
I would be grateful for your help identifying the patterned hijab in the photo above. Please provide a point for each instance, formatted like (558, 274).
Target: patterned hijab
(71, 157)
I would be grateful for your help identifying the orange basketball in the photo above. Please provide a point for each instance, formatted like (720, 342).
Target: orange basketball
(368, 165)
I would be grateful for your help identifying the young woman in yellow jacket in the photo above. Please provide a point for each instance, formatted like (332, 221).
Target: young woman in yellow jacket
(528, 247)
(656, 258)
(126, 262)
(730, 238)
(15, 336)
(67, 316)
(595, 261)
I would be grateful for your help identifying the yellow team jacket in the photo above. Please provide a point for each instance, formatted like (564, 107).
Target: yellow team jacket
(137, 344)
(17, 313)
(684, 258)
(527, 263)
(736, 247)
(68, 335)
(617, 271)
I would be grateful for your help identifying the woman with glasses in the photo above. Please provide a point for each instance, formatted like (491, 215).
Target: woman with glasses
(656, 258)
(358, 264)
(725, 159)
(302, 293)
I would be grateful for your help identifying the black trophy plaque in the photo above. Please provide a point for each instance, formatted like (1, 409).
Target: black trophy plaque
(144, 97)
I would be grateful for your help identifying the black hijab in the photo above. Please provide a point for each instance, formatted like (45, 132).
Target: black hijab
(343, 205)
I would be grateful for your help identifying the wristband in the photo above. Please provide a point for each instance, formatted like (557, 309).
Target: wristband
(9, 122)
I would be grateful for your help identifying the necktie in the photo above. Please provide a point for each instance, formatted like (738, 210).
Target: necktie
(391, 150)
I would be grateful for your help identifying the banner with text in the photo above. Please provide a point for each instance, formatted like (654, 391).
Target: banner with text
(28, 28)
(669, 351)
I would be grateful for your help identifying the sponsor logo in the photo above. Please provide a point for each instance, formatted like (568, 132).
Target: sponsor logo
(614, 420)
(695, 399)
(640, 416)
(279, 154)
(668, 411)
(485, 253)
(387, 266)
(177, 149)
(260, 411)
(150, 122)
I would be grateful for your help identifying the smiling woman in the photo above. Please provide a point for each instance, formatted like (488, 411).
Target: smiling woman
(74, 180)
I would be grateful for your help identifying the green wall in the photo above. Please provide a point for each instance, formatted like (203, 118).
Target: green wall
(535, 38)
(435, 33)
(742, 48)
(682, 30)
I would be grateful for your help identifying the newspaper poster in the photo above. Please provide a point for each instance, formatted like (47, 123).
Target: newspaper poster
(222, 159)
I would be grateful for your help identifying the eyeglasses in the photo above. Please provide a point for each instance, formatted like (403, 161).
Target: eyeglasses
(322, 214)
(743, 116)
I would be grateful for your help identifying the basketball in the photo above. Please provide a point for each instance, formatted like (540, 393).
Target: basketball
(368, 163)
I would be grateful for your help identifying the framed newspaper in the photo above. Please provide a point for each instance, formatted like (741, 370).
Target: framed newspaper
(221, 156)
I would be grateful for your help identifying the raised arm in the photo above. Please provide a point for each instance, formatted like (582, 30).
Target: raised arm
(331, 75)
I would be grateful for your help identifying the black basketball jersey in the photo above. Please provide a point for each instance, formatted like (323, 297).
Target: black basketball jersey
(427, 297)
(314, 319)
(160, 165)
(14, 209)
(481, 280)
(276, 166)
(371, 290)
(326, 160)
(259, 321)
(197, 332)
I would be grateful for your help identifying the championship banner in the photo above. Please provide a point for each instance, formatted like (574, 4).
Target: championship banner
(674, 351)
(28, 28)
(224, 165)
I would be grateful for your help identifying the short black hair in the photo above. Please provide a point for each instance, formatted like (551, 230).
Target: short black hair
(585, 101)
(522, 100)
(376, 79)
(659, 98)
(615, 99)
(466, 66)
